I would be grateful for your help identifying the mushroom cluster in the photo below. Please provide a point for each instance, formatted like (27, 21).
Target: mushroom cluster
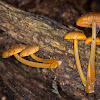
(29, 50)
(91, 20)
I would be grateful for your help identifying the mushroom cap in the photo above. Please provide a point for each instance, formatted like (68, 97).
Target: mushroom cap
(75, 35)
(89, 40)
(13, 50)
(86, 20)
(30, 49)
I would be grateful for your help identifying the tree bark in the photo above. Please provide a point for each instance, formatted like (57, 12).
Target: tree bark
(29, 83)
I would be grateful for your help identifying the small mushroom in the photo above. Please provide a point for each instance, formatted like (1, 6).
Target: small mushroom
(30, 50)
(77, 36)
(89, 40)
(17, 49)
(88, 20)
(4, 98)
(13, 50)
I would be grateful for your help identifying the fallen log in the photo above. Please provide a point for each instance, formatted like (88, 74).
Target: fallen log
(29, 83)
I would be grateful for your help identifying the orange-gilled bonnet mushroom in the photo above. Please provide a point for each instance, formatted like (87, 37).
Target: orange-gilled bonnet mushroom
(17, 49)
(13, 50)
(88, 20)
(89, 40)
(77, 36)
(89, 74)
(30, 50)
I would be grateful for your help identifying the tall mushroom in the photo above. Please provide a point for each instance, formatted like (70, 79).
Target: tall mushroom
(88, 20)
(30, 50)
(17, 49)
(89, 40)
(77, 36)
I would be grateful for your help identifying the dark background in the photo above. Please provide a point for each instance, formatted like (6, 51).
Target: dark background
(65, 12)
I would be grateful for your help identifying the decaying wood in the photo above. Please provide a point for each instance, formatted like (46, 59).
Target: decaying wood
(29, 83)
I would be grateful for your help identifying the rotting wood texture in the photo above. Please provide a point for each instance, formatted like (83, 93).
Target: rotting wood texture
(29, 83)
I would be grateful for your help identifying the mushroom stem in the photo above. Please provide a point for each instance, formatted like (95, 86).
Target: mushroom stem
(34, 64)
(45, 60)
(91, 66)
(78, 62)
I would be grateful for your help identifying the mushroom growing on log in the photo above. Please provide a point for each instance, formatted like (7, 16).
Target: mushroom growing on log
(89, 40)
(18, 48)
(28, 83)
(77, 36)
(30, 50)
(91, 20)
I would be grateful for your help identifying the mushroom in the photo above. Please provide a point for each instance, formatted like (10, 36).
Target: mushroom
(88, 20)
(30, 50)
(89, 40)
(13, 50)
(18, 48)
(77, 36)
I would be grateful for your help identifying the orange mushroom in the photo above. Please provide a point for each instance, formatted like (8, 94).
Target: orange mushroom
(89, 40)
(77, 36)
(88, 20)
(30, 50)
(13, 50)
(18, 48)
